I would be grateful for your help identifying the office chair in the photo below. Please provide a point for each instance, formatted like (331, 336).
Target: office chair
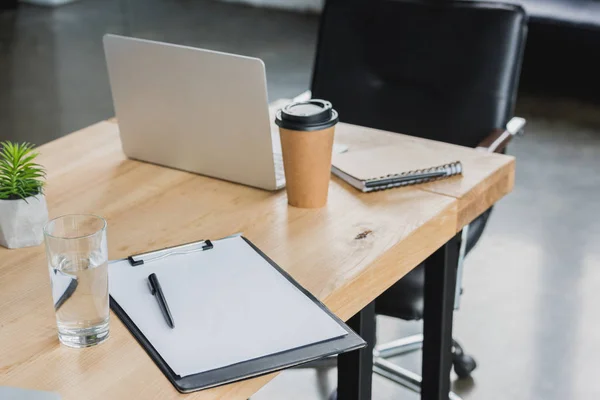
(442, 70)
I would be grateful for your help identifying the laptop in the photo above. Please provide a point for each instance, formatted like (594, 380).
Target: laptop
(196, 110)
(12, 393)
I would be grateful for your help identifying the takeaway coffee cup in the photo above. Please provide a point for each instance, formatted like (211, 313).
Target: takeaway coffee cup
(306, 129)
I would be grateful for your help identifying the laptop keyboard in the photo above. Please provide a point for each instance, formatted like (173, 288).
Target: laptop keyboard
(279, 172)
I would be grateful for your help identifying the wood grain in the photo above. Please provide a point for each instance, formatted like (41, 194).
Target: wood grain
(486, 177)
(147, 207)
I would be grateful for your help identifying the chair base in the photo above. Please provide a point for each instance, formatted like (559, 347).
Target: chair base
(398, 347)
(463, 364)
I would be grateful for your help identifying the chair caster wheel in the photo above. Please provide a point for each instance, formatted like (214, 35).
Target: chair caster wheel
(464, 365)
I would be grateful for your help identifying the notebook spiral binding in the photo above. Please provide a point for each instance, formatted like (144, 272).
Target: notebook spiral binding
(446, 170)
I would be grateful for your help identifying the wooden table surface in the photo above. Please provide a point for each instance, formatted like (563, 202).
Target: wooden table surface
(149, 207)
(486, 177)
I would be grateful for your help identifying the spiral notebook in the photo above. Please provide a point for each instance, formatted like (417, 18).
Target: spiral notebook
(388, 167)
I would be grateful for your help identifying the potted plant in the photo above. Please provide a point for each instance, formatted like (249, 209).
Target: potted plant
(23, 210)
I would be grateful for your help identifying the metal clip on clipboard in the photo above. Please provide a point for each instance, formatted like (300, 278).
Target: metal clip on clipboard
(187, 248)
(126, 286)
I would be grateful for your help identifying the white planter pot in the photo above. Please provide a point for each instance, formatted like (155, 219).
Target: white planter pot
(22, 222)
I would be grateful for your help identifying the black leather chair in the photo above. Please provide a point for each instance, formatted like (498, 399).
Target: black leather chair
(8, 4)
(563, 39)
(443, 70)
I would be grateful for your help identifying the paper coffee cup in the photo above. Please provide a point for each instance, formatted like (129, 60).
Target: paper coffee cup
(306, 130)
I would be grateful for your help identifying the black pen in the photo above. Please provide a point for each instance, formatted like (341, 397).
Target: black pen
(156, 290)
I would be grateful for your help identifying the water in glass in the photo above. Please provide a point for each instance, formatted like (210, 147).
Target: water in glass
(84, 314)
(77, 259)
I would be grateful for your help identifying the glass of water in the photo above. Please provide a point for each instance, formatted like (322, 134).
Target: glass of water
(78, 263)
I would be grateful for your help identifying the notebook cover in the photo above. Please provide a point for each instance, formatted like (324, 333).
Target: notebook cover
(378, 162)
(252, 368)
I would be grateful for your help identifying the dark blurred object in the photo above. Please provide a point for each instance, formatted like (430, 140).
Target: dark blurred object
(8, 4)
(447, 71)
(562, 47)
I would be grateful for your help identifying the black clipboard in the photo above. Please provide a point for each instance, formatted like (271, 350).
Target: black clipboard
(251, 368)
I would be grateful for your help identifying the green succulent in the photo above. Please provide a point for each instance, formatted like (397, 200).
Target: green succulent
(20, 176)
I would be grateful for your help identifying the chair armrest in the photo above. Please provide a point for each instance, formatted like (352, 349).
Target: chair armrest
(497, 141)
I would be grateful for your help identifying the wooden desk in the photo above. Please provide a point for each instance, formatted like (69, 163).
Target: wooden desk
(486, 178)
(147, 206)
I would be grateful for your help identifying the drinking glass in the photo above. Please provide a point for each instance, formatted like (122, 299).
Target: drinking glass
(78, 262)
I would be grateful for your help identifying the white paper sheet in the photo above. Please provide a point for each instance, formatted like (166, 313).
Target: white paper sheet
(229, 305)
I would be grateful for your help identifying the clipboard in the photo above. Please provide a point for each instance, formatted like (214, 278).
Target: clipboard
(247, 369)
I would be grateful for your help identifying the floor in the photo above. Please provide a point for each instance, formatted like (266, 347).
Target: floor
(53, 77)
(529, 310)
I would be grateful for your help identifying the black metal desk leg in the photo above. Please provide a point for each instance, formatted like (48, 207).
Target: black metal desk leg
(440, 282)
(355, 369)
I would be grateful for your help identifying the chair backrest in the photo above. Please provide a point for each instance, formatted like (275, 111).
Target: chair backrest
(447, 70)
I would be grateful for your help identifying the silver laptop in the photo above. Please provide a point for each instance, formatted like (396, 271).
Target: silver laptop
(196, 110)
(12, 393)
